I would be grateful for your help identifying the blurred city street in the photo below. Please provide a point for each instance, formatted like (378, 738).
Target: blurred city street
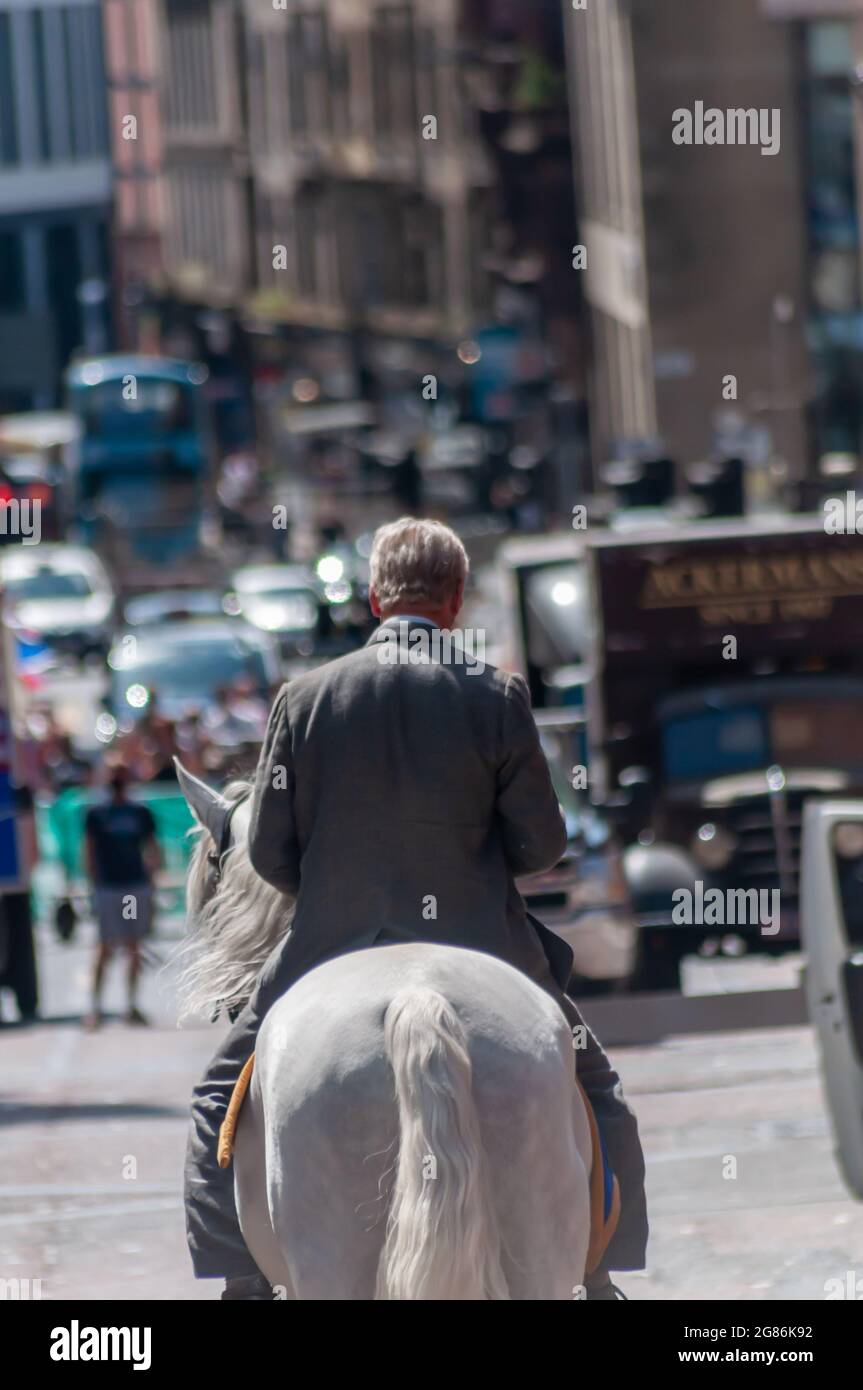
(81, 1109)
(349, 348)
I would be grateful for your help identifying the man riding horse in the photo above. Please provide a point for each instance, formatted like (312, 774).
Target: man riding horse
(396, 801)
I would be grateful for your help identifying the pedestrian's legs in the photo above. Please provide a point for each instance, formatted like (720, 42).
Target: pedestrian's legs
(133, 949)
(134, 972)
(100, 965)
(104, 952)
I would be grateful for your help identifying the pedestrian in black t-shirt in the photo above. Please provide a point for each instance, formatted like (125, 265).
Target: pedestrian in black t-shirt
(122, 855)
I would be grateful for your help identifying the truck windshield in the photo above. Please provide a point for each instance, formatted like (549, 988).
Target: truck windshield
(159, 407)
(715, 743)
(556, 616)
(794, 733)
(158, 495)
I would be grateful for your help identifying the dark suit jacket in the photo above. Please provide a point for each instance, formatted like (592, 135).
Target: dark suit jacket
(399, 801)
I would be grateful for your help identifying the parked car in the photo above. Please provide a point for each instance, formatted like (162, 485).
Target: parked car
(61, 594)
(37, 480)
(173, 605)
(284, 600)
(187, 664)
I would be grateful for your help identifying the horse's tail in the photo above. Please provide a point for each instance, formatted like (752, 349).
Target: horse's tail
(442, 1239)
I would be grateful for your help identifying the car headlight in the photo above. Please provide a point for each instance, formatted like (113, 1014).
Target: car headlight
(138, 696)
(330, 569)
(713, 846)
(106, 728)
(848, 839)
(337, 592)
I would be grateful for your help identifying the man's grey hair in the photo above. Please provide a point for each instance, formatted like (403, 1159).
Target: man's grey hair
(416, 562)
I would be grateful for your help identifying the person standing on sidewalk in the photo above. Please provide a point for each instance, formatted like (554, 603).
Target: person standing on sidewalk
(121, 857)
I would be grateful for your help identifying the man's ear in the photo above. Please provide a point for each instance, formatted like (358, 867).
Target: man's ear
(458, 600)
(374, 603)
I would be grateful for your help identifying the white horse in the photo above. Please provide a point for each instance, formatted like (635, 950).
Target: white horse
(413, 1129)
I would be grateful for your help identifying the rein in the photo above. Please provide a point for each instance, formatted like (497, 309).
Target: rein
(215, 857)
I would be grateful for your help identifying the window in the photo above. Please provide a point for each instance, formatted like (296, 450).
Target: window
(309, 75)
(8, 121)
(12, 298)
(421, 229)
(159, 407)
(85, 80)
(68, 18)
(387, 248)
(394, 92)
(64, 276)
(309, 228)
(191, 86)
(833, 233)
(37, 21)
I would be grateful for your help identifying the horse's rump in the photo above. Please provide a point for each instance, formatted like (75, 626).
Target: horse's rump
(383, 1062)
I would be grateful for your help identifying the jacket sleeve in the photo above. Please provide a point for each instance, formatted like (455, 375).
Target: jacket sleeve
(273, 848)
(534, 833)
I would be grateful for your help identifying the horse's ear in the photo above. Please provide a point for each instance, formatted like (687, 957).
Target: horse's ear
(209, 808)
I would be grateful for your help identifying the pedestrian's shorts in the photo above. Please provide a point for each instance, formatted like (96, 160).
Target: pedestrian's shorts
(123, 914)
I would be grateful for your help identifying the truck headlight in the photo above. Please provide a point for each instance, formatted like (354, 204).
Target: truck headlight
(848, 839)
(713, 846)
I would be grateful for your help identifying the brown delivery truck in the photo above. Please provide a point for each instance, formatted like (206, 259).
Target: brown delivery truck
(727, 691)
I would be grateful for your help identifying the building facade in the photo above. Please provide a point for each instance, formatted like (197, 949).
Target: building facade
(379, 191)
(609, 194)
(827, 40)
(55, 188)
(207, 236)
(133, 59)
(725, 286)
(364, 167)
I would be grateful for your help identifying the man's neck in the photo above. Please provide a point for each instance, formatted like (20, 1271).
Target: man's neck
(410, 618)
(416, 615)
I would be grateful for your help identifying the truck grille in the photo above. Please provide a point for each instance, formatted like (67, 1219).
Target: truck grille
(768, 830)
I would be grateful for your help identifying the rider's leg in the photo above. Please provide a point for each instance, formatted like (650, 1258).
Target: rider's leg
(212, 1227)
(628, 1246)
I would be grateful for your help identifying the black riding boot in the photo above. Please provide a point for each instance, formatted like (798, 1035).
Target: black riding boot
(251, 1288)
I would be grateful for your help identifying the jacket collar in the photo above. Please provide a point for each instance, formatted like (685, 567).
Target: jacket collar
(402, 627)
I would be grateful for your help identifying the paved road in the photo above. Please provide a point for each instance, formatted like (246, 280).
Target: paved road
(92, 1129)
(92, 1132)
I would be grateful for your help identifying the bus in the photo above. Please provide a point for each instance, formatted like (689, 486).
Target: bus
(142, 470)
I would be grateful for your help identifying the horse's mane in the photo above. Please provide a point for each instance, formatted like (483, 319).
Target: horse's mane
(233, 933)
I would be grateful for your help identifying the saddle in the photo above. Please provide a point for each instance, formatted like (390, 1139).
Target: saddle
(604, 1187)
